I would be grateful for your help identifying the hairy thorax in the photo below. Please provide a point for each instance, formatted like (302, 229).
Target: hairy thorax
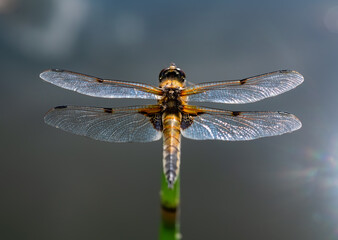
(171, 101)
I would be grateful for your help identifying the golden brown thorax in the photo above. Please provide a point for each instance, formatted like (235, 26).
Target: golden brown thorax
(172, 81)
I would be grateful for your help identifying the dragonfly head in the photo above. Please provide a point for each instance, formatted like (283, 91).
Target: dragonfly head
(172, 72)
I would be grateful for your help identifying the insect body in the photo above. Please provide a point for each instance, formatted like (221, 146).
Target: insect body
(172, 116)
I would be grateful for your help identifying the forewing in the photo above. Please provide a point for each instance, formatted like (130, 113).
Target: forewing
(98, 87)
(133, 124)
(246, 90)
(216, 124)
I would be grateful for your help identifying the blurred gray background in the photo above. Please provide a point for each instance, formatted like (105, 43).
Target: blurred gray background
(55, 185)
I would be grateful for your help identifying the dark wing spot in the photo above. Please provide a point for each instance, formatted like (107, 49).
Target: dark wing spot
(243, 81)
(155, 119)
(99, 80)
(57, 70)
(60, 107)
(108, 110)
(186, 122)
(235, 113)
(285, 71)
(188, 118)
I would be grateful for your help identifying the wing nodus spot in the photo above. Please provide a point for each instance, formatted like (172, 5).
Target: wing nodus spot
(60, 107)
(235, 113)
(108, 110)
(243, 81)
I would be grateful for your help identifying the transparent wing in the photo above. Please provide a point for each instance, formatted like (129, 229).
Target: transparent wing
(133, 124)
(246, 90)
(98, 87)
(236, 126)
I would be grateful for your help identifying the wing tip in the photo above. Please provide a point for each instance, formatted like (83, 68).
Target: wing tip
(297, 124)
(297, 76)
(53, 109)
(45, 74)
(47, 115)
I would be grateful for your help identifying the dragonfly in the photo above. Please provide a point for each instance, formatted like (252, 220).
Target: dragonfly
(172, 117)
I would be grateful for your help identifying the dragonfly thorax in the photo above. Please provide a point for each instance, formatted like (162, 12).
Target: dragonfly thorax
(171, 100)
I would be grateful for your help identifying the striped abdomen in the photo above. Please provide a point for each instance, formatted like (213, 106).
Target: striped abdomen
(171, 146)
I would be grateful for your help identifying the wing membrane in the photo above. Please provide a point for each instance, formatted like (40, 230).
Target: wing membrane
(98, 87)
(236, 126)
(133, 124)
(246, 90)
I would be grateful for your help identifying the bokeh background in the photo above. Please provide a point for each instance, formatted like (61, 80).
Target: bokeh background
(55, 185)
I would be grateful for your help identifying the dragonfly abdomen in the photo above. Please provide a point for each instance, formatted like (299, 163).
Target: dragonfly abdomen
(171, 146)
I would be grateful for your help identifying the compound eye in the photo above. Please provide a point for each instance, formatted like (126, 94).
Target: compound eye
(161, 75)
(181, 73)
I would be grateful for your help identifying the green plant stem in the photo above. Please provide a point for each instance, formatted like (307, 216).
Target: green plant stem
(170, 203)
